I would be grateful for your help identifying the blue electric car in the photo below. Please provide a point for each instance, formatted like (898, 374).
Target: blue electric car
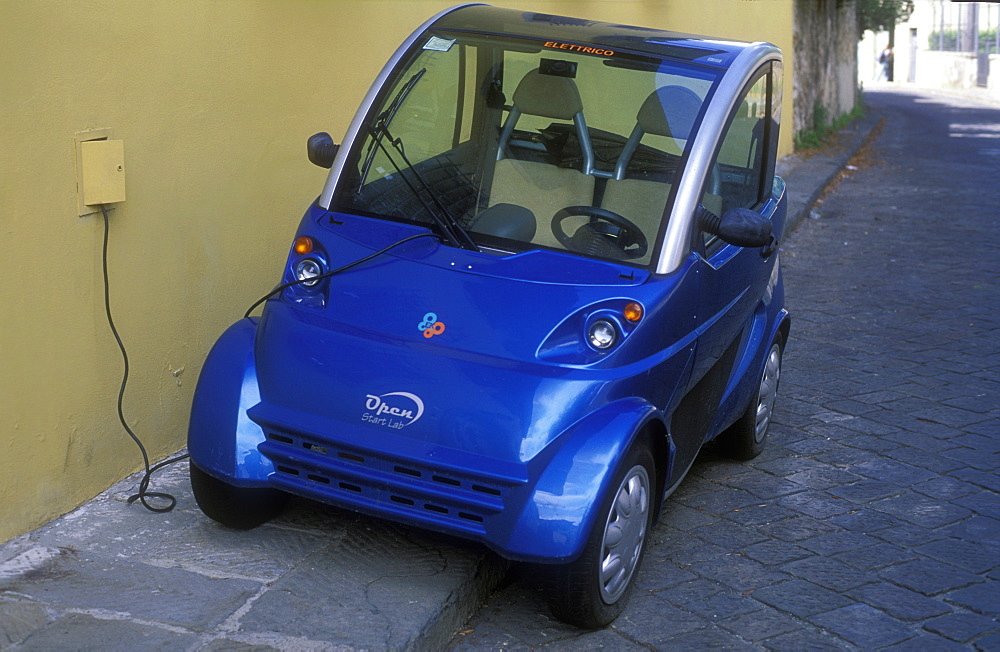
(542, 273)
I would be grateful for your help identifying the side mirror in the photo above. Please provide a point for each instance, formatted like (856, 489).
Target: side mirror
(739, 226)
(322, 149)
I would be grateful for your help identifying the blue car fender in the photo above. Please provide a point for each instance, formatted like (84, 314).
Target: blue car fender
(558, 515)
(222, 440)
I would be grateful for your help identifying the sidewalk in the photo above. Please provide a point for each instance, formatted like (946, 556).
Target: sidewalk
(808, 174)
(114, 576)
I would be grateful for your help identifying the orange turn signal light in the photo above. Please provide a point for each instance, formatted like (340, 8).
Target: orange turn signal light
(633, 312)
(303, 245)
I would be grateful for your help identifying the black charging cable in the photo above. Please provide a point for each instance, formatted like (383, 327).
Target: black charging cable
(143, 493)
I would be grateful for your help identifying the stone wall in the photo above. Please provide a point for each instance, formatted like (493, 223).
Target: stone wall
(826, 61)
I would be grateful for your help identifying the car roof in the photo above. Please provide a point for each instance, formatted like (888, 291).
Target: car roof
(661, 44)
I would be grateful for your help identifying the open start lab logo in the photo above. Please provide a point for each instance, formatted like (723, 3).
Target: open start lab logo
(394, 410)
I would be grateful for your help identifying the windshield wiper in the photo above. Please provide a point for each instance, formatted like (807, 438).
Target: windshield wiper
(449, 226)
(383, 120)
(453, 231)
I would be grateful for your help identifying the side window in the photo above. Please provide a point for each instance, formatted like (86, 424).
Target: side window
(735, 176)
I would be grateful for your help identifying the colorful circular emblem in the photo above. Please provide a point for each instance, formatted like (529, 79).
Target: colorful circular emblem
(430, 325)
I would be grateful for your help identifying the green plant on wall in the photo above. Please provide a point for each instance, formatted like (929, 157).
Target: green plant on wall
(823, 128)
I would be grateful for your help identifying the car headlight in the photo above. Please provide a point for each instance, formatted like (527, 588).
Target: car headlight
(308, 268)
(602, 334)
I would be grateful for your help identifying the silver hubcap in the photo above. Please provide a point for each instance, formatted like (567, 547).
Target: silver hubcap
(767, 392)
(624, 534)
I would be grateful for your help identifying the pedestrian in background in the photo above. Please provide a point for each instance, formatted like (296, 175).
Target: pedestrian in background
(885, 63)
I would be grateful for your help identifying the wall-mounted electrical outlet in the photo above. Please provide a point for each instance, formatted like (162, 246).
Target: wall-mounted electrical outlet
(100, 170)
(103, 172)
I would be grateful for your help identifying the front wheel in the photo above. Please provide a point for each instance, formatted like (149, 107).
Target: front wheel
(745, 439)
(236, 507)
(591, 591)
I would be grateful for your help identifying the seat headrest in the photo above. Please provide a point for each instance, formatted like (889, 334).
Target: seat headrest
(669, 111)
(548, 96)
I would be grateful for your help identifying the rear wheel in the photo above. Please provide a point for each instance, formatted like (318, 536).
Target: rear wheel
(746, 438)
(591, 591)
(237, 507)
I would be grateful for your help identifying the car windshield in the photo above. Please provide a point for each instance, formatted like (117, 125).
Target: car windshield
(517, 144)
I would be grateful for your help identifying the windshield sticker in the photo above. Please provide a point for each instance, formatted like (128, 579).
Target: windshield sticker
(394, 410)
(579, 48)
(430, 325)
(439, 44)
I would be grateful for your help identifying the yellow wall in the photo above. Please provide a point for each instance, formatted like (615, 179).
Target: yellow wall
(214, 101)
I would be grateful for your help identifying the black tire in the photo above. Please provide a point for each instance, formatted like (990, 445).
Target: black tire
(235, 507)
(578, 593)
(745, 439)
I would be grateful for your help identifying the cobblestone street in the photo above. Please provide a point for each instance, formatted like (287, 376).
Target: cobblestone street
(872, 520)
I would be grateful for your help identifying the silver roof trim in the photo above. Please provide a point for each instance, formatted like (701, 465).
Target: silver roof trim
(355, 127)
(677, 242)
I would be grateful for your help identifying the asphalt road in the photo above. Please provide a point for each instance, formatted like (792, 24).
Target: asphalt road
(872, 521)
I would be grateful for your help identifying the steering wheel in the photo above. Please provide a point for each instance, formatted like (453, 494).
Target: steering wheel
(608, 234)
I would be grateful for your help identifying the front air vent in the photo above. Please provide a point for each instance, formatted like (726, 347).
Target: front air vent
(356, 478)
(405, 471)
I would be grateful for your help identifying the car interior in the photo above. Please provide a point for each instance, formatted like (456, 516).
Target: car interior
(527, 167)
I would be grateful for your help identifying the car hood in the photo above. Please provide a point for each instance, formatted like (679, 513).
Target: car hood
(445, 346)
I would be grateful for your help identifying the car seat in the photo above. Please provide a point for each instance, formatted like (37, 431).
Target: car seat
(543, 187)
(669, 111)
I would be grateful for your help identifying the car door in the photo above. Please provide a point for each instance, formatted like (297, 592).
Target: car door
(732, 278)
